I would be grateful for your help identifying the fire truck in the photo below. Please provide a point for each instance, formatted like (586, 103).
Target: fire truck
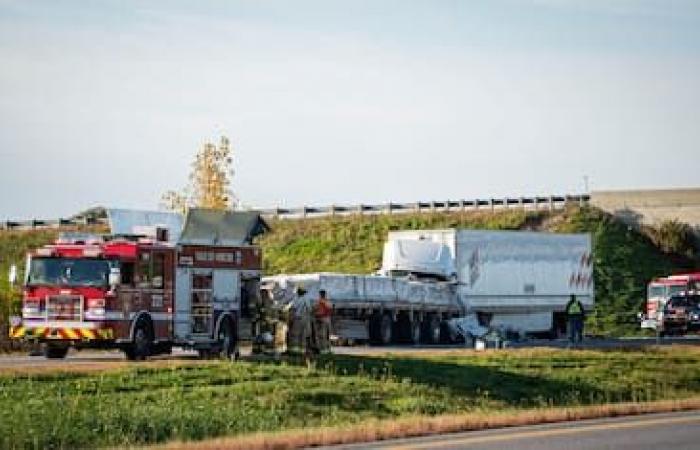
(660, 290)
(158, 280)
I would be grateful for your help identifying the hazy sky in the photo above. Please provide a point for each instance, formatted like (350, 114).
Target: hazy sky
(105, 102)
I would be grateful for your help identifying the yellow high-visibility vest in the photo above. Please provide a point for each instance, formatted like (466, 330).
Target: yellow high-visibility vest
(574, 308)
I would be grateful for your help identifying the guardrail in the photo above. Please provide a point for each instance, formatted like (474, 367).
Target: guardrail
(551, 202)
(51, 223)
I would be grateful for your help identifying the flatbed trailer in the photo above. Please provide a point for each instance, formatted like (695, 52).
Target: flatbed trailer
(380, 309)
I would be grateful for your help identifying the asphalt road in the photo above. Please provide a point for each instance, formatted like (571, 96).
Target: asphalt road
(678, 431)
(105, 359)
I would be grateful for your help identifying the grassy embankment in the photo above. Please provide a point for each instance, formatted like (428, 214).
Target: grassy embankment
(143, 404)
(625, 258)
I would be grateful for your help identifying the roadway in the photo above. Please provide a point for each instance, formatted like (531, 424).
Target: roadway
(678, 431)
(106, 359)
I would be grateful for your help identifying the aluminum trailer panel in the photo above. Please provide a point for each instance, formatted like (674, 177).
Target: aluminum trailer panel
(352, 290)
(520, 277)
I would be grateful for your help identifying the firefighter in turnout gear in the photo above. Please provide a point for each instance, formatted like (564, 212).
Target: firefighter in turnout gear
(265, 323)
(299, 331)
(322, 312)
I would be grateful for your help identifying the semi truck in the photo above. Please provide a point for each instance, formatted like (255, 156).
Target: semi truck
(155, 281)
(518, 282)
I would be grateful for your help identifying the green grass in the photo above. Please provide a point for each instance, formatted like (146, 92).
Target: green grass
(139, 405)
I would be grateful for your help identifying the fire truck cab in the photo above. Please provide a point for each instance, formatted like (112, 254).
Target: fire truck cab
(165, 282)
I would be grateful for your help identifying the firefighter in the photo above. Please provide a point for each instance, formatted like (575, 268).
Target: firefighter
(265, 323)
(322, 312)
(299, 324)
(575, 316)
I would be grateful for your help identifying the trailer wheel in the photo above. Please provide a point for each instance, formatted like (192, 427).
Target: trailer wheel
(141, 347)
(373, 326)
(227, 340)
(416, 332)
(55, 351)
(432, 328)
(386, 330)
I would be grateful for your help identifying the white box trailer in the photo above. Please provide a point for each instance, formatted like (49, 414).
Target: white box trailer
(512, 280)
(521, 279)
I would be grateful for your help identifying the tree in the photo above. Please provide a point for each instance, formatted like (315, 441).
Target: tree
(209, 182)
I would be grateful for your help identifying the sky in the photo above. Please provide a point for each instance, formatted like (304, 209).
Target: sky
(345, 102)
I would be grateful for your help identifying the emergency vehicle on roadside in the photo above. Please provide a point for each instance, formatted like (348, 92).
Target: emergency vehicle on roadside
(155, 282)
(660, 291)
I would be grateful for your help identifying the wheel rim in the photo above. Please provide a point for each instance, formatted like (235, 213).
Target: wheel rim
(415, 335)
(141, 341)
(386, 331)
(435, 331)
(225, 338)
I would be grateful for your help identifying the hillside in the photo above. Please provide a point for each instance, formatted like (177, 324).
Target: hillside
(625, 259)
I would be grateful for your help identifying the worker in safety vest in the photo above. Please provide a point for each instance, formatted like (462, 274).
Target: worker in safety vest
(575, 316)
(322, 323)
(299, 324)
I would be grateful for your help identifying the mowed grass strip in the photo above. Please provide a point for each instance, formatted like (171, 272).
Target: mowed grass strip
(406, 427)
(153, 404)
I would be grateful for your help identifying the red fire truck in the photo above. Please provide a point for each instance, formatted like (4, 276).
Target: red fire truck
(144, 293)
(660, 290)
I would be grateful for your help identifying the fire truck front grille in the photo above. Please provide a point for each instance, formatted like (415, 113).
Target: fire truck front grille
(64, 307)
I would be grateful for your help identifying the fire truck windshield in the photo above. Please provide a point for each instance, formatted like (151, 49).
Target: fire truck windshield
(675, 289)
(657, 290)
(69, 271)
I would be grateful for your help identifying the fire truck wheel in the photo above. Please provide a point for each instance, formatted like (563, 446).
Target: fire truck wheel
(140, 348)
(55, 352)
(227, 340)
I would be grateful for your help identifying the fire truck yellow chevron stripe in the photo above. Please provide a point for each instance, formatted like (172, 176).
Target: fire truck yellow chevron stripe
(105, 333)
(87, 334)
(38, 331)
(17, 332)
(70, 333)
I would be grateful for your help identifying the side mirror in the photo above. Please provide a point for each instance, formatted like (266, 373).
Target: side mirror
(115, 277)
(13, 275)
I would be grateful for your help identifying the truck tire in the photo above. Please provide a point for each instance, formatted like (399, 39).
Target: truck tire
(373, 326)
(386, 330)
(55, 352)
(227, 340)
(432, 330)
(142, 345)
(416, 332)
